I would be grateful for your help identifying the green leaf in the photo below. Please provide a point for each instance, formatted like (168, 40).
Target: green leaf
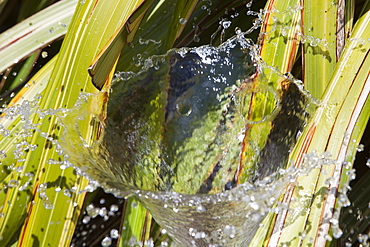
(35, 32)
(332, 129)
(51, 216)
(107, 58)
(323, 40)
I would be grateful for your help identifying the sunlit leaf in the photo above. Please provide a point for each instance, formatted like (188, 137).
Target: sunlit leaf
(35, 32)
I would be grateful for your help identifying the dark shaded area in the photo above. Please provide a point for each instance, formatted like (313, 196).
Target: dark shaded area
(205, 27)
(92, 233)
(355, 219)
(286, 126)
(207, 184)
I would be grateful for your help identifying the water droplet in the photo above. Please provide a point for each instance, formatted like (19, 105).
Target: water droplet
(67, 193)
(183, 109)
(343, 200)
(201, 209)
(86, 219)
(44, 54)
(363, 238)
(348, 244)
(2, 153)
(62, 24)
(92, 211)
(114, 208)
(47, 204)
(226, 24)
(337, 232)
(360, 148)
(114, 233)
(107, 241)
(134, 205)
(13, 183)
(230, 231)
(182, 21)
(103, 211)
(351, 174)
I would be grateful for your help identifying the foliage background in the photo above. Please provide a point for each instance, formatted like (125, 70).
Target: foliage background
(354, 219)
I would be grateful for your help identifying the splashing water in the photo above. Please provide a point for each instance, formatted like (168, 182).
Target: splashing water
(180, 124)
(173, 137)
(179, 128)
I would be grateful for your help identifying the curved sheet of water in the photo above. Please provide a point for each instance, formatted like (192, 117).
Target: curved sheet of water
(173, 134)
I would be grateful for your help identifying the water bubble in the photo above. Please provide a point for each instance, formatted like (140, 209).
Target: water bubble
(343, 200)
(103, 211)
(114, 233)
(47, 204)
(360, 148)
(182, 21)
(107, 241)
(114, 208)
(92, 211)
(2, 154)
(200, 235)
(363, 238)
(337, 232)
(13, 183)
(183, 109)
(230, 231)
(225, 24)
(44, 54)
(351, 174)
(4, 132)
(62, 24)
(201, 209)
(67, 193)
